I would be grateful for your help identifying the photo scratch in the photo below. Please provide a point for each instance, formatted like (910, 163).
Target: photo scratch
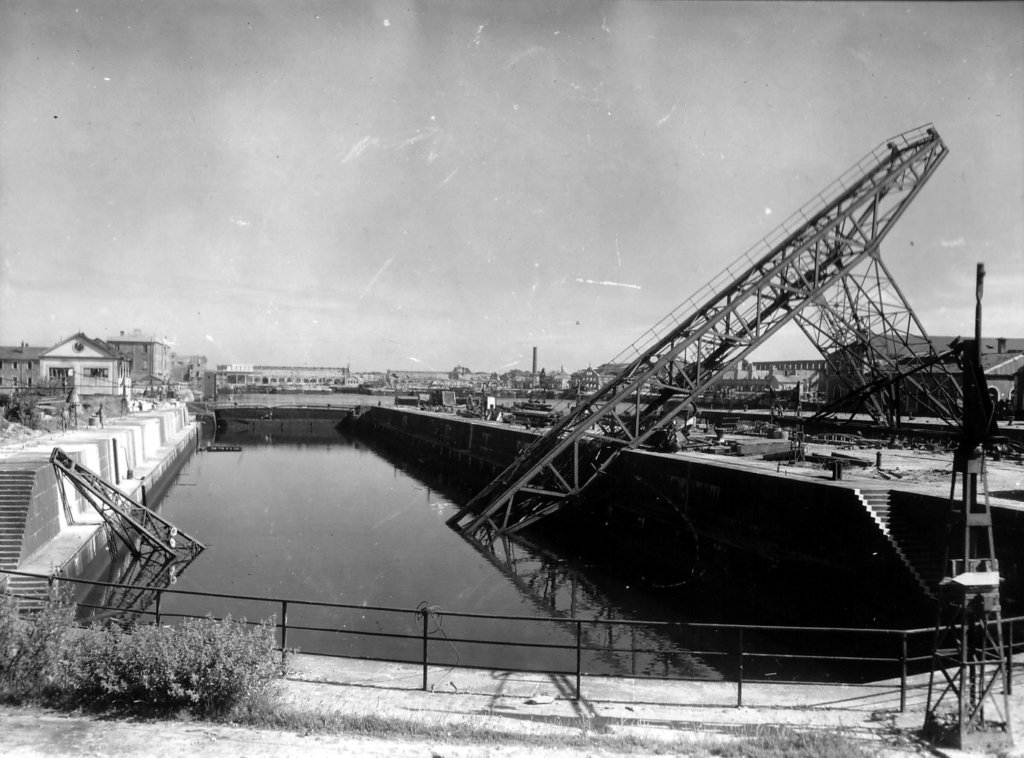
(609, 284)
(374, 278)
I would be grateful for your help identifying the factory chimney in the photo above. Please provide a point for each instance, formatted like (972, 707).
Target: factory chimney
(535, 360)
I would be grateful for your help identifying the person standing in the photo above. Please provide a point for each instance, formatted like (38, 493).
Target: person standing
(100, 414)
(65, 417)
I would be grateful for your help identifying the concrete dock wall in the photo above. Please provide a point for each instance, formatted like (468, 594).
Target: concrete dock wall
(670, 516)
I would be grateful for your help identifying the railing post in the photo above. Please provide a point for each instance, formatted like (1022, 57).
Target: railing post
(903, 672)
(284, 630)
(424, 612)
(579, 658)
(1009, 660)
(159, 597)
(739, 674)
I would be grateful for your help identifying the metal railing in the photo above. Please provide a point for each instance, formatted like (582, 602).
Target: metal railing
(890, 653)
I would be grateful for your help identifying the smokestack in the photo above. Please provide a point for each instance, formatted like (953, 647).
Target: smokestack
(1001, 345)
(535, 360)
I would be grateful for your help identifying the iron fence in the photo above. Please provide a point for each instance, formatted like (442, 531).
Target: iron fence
(890, 654)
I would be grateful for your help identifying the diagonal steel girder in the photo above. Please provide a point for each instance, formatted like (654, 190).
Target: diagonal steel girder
(802, 262)
(871, 339)
(141, 530)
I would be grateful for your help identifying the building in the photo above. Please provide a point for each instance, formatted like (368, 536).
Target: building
(91, 366)
(19, 366)
(150, 357)
(586, 381)
(1002, 360)
(556, 381)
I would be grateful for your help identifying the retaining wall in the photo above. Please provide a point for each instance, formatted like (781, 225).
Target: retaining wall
(670, 517)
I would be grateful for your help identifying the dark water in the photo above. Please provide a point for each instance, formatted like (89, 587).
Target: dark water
(331, 521)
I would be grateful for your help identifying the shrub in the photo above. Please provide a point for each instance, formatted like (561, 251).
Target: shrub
(208, 667)
(23, 409)
(30, 648)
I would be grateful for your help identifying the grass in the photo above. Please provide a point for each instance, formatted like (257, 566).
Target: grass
(748, 742)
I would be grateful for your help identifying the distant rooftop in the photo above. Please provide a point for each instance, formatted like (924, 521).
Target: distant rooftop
(21, 352)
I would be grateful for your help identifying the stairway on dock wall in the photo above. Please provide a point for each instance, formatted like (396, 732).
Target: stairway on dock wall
(15, 499)
(920, 558)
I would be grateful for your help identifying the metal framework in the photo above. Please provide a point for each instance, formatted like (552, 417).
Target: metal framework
(821, 268)
(150, 538)
(968, 648)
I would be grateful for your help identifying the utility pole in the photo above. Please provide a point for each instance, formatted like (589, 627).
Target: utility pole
(968, 696)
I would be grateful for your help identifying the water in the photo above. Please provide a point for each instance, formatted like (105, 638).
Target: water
(333, 522)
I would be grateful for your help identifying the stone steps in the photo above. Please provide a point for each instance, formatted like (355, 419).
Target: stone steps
(15, 498)
(911, 552)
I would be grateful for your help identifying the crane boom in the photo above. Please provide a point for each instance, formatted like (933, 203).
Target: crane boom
(816, 269)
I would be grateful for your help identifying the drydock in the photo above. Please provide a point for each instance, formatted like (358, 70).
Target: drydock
(778, 537)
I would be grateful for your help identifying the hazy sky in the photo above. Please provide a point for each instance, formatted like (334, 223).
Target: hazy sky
(415, 185)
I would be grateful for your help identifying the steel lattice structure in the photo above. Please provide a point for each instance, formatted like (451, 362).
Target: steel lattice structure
(144, 532)
(821, 268)
(871, 338)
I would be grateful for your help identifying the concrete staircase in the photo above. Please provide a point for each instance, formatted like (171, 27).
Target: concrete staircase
(919, 558)
(15, 498)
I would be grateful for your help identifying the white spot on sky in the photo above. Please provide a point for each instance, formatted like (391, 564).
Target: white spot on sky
(479, 31)
(240, 221)
(958, 242)
(668, 115)
(387, 22)
(767, 211)
(106, 78)
(449, 177)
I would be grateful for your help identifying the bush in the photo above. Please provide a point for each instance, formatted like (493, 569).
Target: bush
(30, 648)
(208, 667)
(22, 408)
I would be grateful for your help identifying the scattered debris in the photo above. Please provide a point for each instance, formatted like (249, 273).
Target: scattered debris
(540, 700)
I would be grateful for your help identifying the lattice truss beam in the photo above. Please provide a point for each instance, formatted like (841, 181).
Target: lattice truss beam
(144, 532)
(871, 338)
(820, 268)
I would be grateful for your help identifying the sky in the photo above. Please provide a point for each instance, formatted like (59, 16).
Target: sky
(419, 185)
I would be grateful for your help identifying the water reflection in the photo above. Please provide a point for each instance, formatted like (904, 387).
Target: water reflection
(145, 573)
(562, 587)
(613, 640)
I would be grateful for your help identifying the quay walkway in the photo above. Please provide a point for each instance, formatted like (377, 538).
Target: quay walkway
(514, 714)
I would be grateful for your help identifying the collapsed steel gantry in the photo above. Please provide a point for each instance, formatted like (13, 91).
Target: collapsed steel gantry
(821, 269)
(157, 550)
